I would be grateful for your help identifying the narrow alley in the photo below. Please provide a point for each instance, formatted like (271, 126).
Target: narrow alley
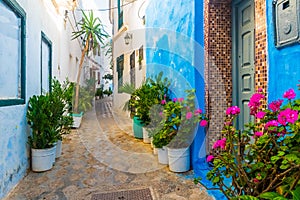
(97, 160)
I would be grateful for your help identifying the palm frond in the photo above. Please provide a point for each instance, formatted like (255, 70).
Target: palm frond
(127, 88)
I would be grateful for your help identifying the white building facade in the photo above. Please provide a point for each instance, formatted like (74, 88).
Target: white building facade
(128, 20)
(35, 46)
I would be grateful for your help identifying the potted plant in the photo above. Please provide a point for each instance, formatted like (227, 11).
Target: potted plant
(92, 34)
(86, 97)
(99, 92)
(181, 119)
(61, 97)
(152, 92)
(44, 132)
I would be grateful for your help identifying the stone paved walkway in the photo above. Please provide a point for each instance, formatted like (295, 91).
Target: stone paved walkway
(103, 156)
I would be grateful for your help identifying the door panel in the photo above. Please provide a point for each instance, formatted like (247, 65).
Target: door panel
(244, 57)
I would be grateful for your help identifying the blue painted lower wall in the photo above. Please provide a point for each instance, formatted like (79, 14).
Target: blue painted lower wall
(13, 148)
(284, 65)
(174, 45)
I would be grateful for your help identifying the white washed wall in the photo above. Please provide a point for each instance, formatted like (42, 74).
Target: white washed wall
(14, 151)
(133, 24)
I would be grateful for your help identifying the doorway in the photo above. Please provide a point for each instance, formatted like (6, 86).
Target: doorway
(243, 57)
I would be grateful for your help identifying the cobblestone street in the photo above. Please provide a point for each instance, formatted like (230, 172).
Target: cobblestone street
(103, 156)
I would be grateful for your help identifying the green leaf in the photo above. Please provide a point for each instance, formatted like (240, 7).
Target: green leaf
(291, 157)
(274, 159)
(280, 153)
(269, 195)
(246, 197)
(216, 179)
(284, 166)
(296, 193)
(280, 198)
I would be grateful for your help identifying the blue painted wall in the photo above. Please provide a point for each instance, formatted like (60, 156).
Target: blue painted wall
(174, 45)
(284, 65)
(13, 150)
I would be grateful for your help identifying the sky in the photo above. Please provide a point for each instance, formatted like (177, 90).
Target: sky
(96, 5)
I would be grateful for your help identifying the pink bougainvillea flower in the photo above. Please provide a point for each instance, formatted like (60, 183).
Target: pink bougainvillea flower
(288, 115)
(260, 114)
(198, 111)
(210, 158)
(275, 105)
(189, 115)
(180, 99)
(203, 123)
(258, 134)
(234, 110)
(289, 94)
(273, 123)
(223, 143)
(229, 123)
(255, 103)
(174, 99)
(163, 102)
(260, 90)
(220, 143)
(160, 113)
(255, 180)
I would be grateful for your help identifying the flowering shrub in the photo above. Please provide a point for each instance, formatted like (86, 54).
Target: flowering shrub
(180, 118)
(263, 160)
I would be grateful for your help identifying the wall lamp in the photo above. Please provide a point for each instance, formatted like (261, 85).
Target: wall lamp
(128, 38)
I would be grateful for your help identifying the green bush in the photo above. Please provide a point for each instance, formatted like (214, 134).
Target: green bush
(263, 160)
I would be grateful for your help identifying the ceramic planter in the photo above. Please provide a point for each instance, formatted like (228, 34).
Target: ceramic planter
(179, 159)
(151, 142)
(137, 127)
(146, 138)
(77, 119)
(58, 149)
(42, 159)
(155, 150)
(163, 155)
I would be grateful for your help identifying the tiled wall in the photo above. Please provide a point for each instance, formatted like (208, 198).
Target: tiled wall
(218, 65)
(260, 46)
(218, 70)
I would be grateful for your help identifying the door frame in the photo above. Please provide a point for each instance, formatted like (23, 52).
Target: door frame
(48, 42)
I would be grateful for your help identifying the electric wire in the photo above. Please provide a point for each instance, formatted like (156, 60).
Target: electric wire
(106, 9)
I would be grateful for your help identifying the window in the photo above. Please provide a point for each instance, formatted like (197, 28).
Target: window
(141, 57)
(46, 64)
(12, 53)
(120, 13)
(132, 68)
(120, 68)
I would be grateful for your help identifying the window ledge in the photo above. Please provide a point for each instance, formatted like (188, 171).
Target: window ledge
(120, 31)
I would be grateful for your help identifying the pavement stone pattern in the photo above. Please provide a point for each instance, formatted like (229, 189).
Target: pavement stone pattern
(103, 156)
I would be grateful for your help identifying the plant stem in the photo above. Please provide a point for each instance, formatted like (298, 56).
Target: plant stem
(278, 176)
(84, 51)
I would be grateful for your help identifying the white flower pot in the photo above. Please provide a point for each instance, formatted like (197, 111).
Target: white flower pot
(146, 138)
(151, 142)
(155, 150)
(179, 159)
(42, 159)
(163, 155)
(77, 120)
(58, 149)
